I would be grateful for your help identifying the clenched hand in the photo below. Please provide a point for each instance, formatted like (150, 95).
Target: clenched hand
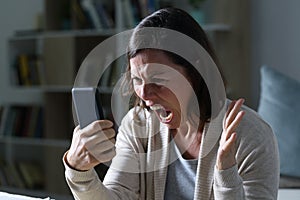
(92, 145)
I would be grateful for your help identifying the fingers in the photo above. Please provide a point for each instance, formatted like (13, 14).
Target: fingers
(230, 107)
(232, 119)
(92, 145)
(96, 132)
(106, 156)
(100, 136)
(234, 124)
(98, 140)
(226, 152)
(227, 146)
(77, 128)
(100, 148)
(94, 127)
(99, 125)
(232, 112)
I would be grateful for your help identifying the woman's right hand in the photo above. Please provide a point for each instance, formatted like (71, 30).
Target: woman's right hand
(92, 145)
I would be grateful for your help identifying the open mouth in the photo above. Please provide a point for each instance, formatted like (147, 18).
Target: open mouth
(165, 115)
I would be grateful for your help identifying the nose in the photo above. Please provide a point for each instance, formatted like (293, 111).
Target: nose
(148, 91)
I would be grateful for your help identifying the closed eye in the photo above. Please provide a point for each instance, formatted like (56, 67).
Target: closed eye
(159, 81)
(136, 80)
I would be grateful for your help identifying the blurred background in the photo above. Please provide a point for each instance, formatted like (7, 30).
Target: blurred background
(43, 43)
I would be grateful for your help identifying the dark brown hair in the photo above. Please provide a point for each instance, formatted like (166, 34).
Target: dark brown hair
(178, 20)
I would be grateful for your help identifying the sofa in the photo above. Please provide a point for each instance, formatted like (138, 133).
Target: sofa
(279, 105)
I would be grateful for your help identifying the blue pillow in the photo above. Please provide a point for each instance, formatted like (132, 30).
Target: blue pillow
(280, 106)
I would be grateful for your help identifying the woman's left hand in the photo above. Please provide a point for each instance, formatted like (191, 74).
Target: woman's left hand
(226, 153)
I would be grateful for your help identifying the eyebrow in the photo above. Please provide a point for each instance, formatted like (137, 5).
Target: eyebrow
(133, 74)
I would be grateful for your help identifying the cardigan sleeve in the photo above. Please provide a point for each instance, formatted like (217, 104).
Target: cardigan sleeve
(256, 174)
(122, 180)
(85, 185)
(117, 184)
(228, 184)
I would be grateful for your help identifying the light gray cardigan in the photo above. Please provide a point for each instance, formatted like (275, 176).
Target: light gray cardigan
(139, 169)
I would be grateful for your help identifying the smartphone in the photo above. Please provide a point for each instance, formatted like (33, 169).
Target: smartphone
(87, 105)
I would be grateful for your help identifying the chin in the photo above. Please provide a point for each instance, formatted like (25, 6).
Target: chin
(172, 124)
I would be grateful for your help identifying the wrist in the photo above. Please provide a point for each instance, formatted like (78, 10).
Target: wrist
(65, 158)
(225, 164)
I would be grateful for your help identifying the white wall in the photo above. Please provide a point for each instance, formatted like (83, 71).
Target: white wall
(14, 15)
(275, 38)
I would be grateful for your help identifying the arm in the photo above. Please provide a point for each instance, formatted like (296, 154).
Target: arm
(119, 183)
(255, 174)
(85, 184)
(90, 146)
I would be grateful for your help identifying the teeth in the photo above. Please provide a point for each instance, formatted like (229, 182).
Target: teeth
(166, 118)
(156, 107)
(162, 112)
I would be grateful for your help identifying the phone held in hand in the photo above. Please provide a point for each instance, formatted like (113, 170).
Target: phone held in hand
(87, 105)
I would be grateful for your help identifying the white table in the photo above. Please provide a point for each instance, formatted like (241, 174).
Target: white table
(289, 194)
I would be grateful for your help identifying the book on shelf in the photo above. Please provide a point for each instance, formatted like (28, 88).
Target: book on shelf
(105, 18)
(136, 11)
(151, 6)
(32, 174)
(19, 119)
(8, 123)
(15, 179)
(33, 122)
(95, 13)
(3, 178)
(81, 19)
(22, 121)
(1, 112)
(145, 7)
(22, 174)
(128, 17)
(28, 70)
(23, 70)
(4, 115)
(133, 11)
(91, 11)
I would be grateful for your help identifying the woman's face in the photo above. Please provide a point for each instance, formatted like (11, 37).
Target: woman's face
(162, 85)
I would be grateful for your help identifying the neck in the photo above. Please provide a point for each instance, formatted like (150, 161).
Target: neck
(188, 140)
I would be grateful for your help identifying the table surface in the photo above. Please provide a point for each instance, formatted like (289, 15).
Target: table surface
(289, 194)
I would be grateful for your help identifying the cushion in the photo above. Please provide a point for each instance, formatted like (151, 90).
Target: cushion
(280, 107)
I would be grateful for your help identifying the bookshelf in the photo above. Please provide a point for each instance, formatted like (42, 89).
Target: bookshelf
(60, 55)
(43, 65)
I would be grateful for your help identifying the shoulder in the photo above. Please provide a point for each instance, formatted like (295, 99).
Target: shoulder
(255, 138)
(253, 132)
(254, 127)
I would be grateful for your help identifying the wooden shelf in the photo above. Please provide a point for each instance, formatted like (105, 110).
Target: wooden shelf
(35, 141)
(63, 33)
(63, 89)
(93, 32)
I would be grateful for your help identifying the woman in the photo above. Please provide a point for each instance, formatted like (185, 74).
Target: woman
(168, 146)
